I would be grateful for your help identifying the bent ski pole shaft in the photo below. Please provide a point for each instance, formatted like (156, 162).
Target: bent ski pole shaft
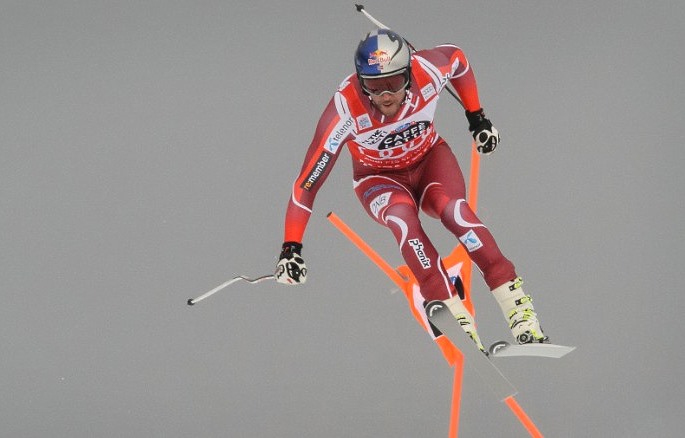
(192, 301)
(360, 8)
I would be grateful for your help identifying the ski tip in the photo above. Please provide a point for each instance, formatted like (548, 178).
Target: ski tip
(494, 348)
(190, 302)
(434, 306)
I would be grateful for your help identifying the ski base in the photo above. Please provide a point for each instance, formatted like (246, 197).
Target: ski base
(440, 316)
(505, 349)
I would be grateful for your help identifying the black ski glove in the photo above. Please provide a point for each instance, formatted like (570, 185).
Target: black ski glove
(485, 135)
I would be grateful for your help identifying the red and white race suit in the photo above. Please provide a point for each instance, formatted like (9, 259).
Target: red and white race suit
(401, 165)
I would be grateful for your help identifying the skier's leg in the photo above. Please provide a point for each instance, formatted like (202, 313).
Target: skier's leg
(418, 251)
(393, 206)
(443, 197)
(479, 242)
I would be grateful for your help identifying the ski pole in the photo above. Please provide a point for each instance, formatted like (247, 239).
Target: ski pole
(360, 8)
(192, 301)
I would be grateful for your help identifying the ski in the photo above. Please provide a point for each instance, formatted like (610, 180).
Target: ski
(505, 349)
(440, 316)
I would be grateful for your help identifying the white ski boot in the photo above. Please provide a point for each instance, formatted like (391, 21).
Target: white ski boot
(464, 319)
(518, 310)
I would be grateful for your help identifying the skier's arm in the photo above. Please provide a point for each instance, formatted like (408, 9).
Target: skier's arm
(464, 82)
(318, 162)
(451, 60)
(317, 165)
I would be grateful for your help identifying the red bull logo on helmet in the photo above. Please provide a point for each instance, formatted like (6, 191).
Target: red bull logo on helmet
(379, 57)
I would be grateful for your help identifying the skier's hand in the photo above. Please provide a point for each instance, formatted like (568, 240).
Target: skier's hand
(485, 135)
(291, 268)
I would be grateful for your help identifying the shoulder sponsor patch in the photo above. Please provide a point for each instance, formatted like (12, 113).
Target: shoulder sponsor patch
(363, 122)
(335, 139)
(428, 91)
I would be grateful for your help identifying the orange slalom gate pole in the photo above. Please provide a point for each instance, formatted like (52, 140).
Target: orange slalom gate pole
(473, 178)
(456, 395)
(459, 253)
(459, 361)
(472, 199)
(473, 202)
(452, 355)
(366, 249)
(523, 417)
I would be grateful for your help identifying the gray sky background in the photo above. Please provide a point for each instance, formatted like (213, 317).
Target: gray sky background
(147, 154)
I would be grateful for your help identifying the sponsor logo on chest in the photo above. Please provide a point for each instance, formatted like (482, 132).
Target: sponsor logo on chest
(404, 134)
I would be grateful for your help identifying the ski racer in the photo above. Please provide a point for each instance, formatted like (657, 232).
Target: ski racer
(384, 114)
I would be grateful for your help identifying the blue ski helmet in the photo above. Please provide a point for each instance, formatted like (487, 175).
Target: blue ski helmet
(383, 53)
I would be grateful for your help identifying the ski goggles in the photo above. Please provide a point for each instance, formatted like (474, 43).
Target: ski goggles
(388, 84)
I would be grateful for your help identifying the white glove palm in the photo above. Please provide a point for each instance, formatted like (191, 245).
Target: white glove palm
(487, 140)
(291, 268)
